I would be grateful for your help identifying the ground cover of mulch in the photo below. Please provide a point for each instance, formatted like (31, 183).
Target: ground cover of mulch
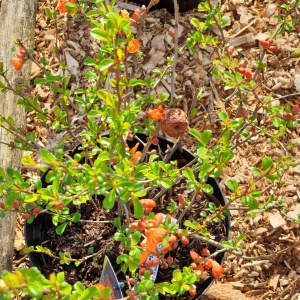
(270, 276)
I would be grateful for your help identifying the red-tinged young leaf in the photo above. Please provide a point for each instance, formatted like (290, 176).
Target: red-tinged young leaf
(185, 240)
(205, 252)
(196, 257)
(158, 219)
(170, 260)
(142, 271)
(36, 211)
(217, 271)
(192, 292)
(172, 239)
(265, 44)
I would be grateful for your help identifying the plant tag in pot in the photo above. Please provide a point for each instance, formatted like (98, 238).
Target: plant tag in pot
(109, 279)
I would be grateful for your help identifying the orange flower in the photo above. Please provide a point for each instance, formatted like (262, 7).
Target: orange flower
(148, 204)
(136, 154)
(143, 257)
(154, 237)
(133, 46)
(61, 6)
(17, 63)
(155, 113)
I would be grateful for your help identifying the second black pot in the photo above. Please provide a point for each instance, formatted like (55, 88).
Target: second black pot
(184, 5)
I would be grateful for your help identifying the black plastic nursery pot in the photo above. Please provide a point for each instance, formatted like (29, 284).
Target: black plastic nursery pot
(34, 232)
(184, 5)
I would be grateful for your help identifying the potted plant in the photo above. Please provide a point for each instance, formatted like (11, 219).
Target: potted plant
(146, 202)
(42, 232)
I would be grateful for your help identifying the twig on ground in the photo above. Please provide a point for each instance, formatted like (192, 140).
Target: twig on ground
(239, 254)
(176, 12)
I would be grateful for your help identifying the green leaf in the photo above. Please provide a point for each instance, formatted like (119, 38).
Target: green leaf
(232, 184)
(137, 208)
(206, 136)
(217, 73)
(225, 61)
(212, 206)
(252, 203)
(238, 77)
(109, 200)
(2, 85)
(196, 134)
(177, 275)
(11, 198)
(27, 161)
(226, 156)
(34, 290)
(39, 80)
(89, 293)
(226, 244)
(256, 171)
(225, 20)
(195, 22)
(277, 122)
(37, 184)
(267, 163)
(76, 217)
(89, 62)
(194, 225)
(208, 189)
(31, 198)
(78, 286)
(162, 287)
(91, 75)
(119, 237)
(188, 173)
(105, 64)
(296, 53)
(103, 156)
(61, 228)
(240, 238)
(99, 34)
(256, 194)
(201, 152)
(48, 157)
(223, 116)
(166, 183)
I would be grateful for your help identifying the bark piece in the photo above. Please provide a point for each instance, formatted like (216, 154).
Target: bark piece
(17, 21)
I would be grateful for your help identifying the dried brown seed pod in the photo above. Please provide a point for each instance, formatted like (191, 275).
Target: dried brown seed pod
(174, 122)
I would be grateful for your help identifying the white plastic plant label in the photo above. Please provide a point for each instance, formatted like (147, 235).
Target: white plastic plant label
(109, 279)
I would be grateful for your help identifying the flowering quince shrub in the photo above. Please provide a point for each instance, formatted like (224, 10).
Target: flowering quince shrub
(107, 167)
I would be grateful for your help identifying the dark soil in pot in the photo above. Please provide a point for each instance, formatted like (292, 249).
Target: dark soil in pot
(184, 5)
(93, 237)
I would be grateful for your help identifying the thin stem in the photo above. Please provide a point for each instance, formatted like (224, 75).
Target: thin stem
(217, 23)
(171, 151)
(189, 206)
